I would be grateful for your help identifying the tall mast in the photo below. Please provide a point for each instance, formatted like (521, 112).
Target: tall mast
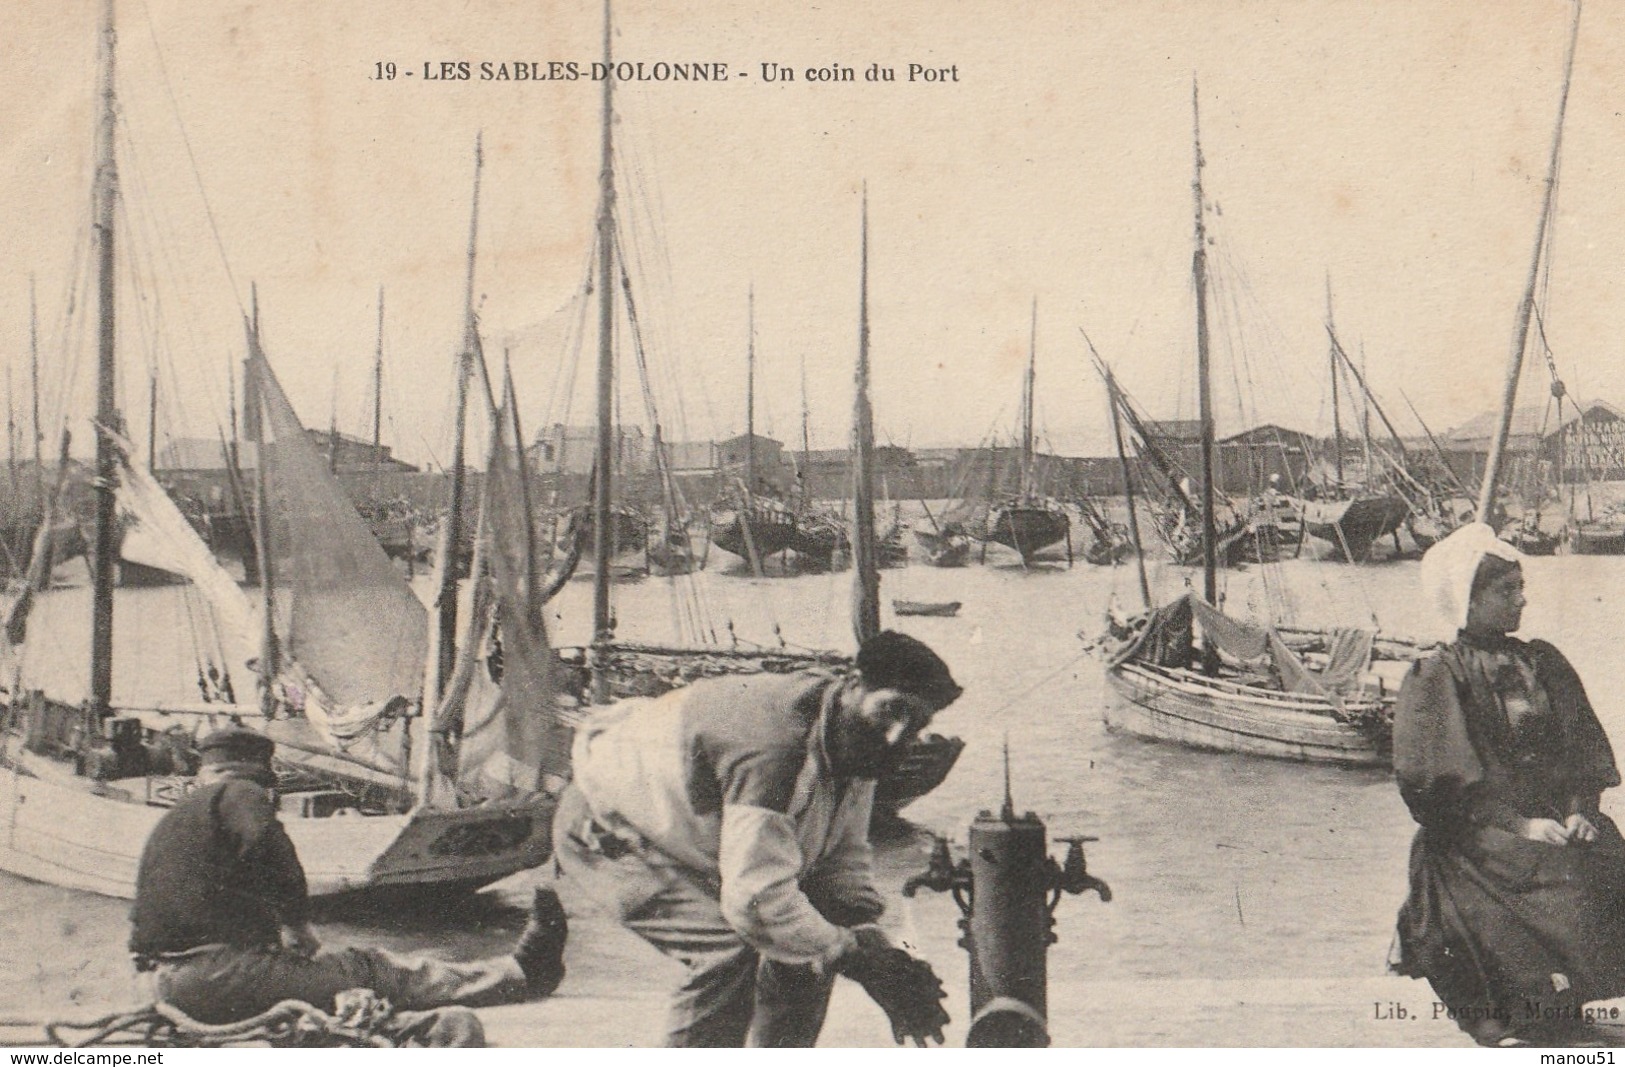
(446, 598)
(603, 540)
(378, 385)
(1027, 406)
(865, 565)
(33, 382)
(750, 393)
(333, 427)
(1128, 486)
(152, 423)
(106, 547)
(1365, 418)
(1337, 412)
(11, 433)
(1210, 579)
(1520, 332)
(806, 444)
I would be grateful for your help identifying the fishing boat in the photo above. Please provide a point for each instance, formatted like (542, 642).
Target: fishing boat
(945, 544)
(746, 521)
(1028, 522)
(1240, 534)
(1187, 673)
(1111, 541)
(342, 665)
(1350, 518)
(943, 609)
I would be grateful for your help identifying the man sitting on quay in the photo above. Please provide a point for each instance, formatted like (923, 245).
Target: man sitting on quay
(221, 915)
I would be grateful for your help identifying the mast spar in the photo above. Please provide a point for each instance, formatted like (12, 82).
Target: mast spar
(1337, 407)
(106, 547)
(865, 564)
(603, 625)
(750, 393)
(446, 596)
(378, 385)
(1520, 332)
(1027, 398)
(1210, 581)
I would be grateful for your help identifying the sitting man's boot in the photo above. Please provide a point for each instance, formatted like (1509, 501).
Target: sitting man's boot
(540, 949)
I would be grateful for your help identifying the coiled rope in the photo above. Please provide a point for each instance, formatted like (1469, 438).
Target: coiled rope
(357, 1023)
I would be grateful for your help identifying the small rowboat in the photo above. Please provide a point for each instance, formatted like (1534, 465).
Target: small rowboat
(944, 608)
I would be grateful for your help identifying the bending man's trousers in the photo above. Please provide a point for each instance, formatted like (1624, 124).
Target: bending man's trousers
(730, 995)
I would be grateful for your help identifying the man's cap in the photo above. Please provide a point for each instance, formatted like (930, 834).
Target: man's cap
(234, 744)
(892, 660)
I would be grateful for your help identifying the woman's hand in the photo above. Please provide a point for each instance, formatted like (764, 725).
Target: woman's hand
(301, 940)
(1549, 830)
(1580, 828)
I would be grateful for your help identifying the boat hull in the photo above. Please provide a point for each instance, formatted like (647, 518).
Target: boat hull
(939, 608)
(1596, 539)
(1352, 526)
(923, 766)
(66, 830)
(943, 550)
(1191, 709)
(1028, 530)
(768, 533)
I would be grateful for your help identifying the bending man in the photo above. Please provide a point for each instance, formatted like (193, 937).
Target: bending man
(728, 821)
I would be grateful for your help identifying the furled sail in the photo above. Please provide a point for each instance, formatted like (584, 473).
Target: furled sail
(496, 728)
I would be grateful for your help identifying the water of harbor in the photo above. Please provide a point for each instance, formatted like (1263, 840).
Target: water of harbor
(1226, 869)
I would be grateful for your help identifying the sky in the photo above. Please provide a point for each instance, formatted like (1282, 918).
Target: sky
(1393, 152)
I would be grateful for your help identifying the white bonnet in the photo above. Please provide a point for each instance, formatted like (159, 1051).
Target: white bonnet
(1449, 566)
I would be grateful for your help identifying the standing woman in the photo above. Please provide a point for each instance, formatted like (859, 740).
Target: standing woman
(1517, 880)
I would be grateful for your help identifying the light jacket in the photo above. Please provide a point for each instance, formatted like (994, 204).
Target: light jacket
(730, 777)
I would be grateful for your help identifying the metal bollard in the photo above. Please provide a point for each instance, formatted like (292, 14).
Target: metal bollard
(1007, 891)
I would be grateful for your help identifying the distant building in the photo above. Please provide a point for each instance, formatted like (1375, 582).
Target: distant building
(772, 473)
(560, 449)
(1587, 443)
(204, 455)
(348, 454)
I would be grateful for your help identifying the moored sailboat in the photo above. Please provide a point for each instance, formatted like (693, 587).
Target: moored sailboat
(85, 782)
(1186, 672)
(1028, 522)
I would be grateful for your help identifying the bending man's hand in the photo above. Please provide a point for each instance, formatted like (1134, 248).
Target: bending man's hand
(907, 989)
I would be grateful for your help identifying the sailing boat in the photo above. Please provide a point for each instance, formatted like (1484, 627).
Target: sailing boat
(747, 521)
(608, 668)
(1293, 694)
(86, 783)
(1240, 536)
(1349, 518)
(820, 540)
(1028, 522)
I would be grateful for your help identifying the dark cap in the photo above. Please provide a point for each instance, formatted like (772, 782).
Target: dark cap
(892, 660)
(234, 744)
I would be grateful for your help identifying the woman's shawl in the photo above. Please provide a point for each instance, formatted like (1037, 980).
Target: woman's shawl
(1459, 756)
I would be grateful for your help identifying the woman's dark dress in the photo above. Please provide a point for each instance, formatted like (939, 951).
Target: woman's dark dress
(1511, 933)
